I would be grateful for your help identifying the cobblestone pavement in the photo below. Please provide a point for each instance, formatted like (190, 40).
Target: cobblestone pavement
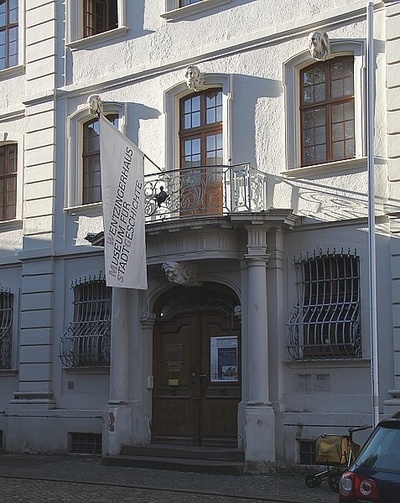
(34, 479)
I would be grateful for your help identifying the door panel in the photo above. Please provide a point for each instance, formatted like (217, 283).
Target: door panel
(219, 398)
(172, 400)
(189, 404)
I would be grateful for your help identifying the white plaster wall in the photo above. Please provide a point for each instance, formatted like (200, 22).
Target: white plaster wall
(249, 41)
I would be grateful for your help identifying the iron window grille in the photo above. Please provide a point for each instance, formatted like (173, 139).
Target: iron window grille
(86, 342)
(307, 452)
(8, 33)
(85, 443)
(6, 324)
(325, 323)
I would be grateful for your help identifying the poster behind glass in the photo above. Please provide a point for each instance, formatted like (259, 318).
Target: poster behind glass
(224, 359)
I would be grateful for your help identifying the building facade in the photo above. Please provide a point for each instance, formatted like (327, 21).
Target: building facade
(254, 331)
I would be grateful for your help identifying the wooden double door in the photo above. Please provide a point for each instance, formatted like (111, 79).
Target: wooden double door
(197, 384)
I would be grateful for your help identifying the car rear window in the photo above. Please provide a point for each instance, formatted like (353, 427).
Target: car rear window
(382, 451)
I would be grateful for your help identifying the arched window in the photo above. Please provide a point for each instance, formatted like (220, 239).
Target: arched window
(325, 109)
(91, 181)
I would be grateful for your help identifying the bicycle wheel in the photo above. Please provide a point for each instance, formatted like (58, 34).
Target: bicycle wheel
(312, 481)
(333, 480)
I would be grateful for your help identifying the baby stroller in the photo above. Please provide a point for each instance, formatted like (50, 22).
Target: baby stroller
(337, 452)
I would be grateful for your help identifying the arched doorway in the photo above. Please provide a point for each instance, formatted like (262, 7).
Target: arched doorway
(196, 367)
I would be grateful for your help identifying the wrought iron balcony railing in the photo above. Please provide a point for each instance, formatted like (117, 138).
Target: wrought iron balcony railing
(204, 191)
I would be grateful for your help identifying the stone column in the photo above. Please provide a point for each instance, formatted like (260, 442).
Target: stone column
(259, 415)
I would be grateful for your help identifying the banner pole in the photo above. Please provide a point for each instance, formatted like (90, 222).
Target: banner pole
(371, 215)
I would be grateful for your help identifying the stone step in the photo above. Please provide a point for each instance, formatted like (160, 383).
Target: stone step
(185, 452)
(212, 466)
(188, 458)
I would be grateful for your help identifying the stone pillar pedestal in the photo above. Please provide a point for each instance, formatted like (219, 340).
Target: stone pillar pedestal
(117, 415)
(260, 438)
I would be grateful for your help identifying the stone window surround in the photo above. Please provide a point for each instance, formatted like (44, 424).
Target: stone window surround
(291, 75)
(174, 13)
(74, 30)
(172, 100)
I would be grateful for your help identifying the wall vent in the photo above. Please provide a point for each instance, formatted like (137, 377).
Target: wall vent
(84, 443)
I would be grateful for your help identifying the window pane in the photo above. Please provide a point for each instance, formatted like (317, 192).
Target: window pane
(350, 148)
(214, 149)
(337, 131)
(320, 94)
(338, 150)
(320, 135)
(320, 153)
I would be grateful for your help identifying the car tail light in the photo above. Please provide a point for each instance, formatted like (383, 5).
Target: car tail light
(354, 486)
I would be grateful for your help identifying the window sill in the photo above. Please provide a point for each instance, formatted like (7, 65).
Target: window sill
(189, 10)
(84, 209)
(86, 370)
(8, 372)
(9, 225)
(13, 71)
(332, 363)
(330, 168)
(99, 38)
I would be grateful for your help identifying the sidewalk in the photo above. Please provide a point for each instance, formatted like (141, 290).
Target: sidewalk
(284, 487)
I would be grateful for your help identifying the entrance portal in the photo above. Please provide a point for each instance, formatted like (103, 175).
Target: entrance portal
(197, 385)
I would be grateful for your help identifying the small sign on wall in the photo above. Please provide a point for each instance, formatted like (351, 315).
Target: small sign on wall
(224, 359)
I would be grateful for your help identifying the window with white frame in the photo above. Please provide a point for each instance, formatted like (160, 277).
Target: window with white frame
(83, 166)
(325, 323)
(179, 9)
(6, 327)
(95, 18)
(86, 342)
(325, 107)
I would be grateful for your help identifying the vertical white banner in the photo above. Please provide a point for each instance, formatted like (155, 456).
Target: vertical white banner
(122, 185)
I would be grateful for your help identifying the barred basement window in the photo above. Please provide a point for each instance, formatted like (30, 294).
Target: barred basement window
(6, 321)
(325, 323)
(307, 452)
(85, 443)
(86, 343)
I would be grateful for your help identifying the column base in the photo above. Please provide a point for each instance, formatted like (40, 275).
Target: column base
(117, 428)
(124, 424)
(260, 438)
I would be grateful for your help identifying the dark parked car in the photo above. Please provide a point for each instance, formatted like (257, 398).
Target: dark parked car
(375, 474)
